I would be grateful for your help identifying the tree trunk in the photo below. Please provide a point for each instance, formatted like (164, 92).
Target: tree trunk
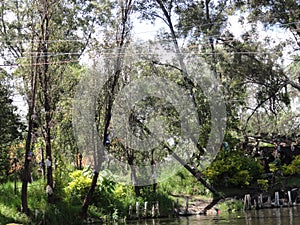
(46, 86)
(195, 172)
(26, 172)
(126, 10)
(88, 198)
(49, 153)
(134, 181)
(153, 172)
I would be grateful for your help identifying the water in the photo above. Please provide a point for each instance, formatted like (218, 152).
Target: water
(276, 216)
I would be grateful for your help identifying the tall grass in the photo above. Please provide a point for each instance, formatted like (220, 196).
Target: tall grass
(112, 203)
(10, 206)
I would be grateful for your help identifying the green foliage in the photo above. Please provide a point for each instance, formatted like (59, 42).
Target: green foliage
(104, 194)
(78, 186)
(10, 125)
(183, 183)
(61, 213)
(263, 184)
(9, 204)
(231, 206)
(293, 168)
(233, 168)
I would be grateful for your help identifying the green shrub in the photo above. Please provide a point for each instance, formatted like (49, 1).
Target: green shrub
(263, 184)
(233, 168)
(78, 186)
(182, 183)
(231, 205)
(293, 168)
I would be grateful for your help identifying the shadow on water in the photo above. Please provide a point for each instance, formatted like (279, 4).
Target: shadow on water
(276, 216)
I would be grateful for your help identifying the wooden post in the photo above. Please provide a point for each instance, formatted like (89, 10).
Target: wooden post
(43, 217)
(269, 200)
(153, 210)
(138, 209)
(186, 205)
(157, 208)
(277, 199)
(290, 198)
(260, 201)
(130, 211)
(247, 202)
(146, 209)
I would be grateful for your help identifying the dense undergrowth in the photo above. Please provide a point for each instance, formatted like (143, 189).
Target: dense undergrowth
(112, 200)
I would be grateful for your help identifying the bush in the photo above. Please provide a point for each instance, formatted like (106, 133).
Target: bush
(293, 168)
(232, 168)
(78, 186)
(182, 183)
(231, 205)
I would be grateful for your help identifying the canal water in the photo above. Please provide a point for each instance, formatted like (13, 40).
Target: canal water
(276, 216)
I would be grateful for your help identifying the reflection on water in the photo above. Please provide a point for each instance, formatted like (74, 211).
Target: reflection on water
(276, 216)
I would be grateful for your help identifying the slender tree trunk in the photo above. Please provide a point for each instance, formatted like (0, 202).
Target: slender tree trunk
(197, 174)
(211, 40)
(98, 153)
(89, 197)
(46, 86)
(43, 163)
(187, 82)
(133, 175)
(153, 172)
(120, 40)
(213, 60)
(26, 172)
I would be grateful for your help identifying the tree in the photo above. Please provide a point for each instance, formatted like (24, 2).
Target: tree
(122, 27)
(44, 36)
(283, 15)
(165, 10)
(10, 124)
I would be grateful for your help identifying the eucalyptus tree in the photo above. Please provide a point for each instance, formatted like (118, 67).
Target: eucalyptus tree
(248, 67)
(41, 38)
(283, 15)
(10, 125)
(169, 13)
(267, 74)
(115, 40)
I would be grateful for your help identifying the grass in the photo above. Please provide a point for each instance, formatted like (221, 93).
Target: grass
(66, 212)
(60, 213)
(10, 205)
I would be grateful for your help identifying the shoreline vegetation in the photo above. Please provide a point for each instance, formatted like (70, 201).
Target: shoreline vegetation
(184, 200)
(254, 177)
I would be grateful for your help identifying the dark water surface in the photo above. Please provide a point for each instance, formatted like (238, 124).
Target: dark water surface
(276, 216)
